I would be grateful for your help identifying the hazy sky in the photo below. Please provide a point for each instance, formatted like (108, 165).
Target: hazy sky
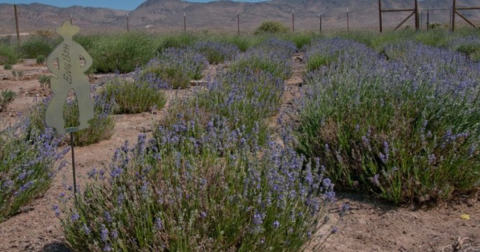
(113, 4)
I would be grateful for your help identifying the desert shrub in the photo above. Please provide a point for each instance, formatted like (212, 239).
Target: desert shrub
(101, 127)
(434, 25)
(27, 167)
(35, 46)
(195, 188)
(175, 67)
(8, 54)
(178, 41)
(119, 52)
(404, 130)
(6, 97)
(40, 59)
(44, 81)
(216, 52)
(271, 27)
(134, 97)
(7, 67)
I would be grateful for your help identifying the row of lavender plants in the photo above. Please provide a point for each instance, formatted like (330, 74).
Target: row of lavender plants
(28, 162)
(207, 181)
(405, 128)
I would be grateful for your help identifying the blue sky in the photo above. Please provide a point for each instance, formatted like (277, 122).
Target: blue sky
(114, 4)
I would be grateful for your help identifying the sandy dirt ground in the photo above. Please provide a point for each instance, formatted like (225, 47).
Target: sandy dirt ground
(370, 225)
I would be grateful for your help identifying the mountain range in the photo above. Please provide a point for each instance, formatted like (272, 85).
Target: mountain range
(168, 15)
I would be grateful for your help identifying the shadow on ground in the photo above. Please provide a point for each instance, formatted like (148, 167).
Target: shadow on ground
(56, 247)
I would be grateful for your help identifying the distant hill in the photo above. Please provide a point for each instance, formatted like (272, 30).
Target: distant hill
(167, 15)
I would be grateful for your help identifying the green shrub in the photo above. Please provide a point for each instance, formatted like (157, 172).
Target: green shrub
(44, 81)
(134, 97)
(301, 40)
(36, 46)
(242, 43)
(120, 52)
(7, 67)
(178, 41)
(271, 27)
(40, 59)
(6, 97)
(8, 54)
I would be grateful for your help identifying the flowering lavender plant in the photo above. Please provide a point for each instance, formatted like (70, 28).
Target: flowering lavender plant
(101, 126)
(200, 188)
(217, 52)
(272, 56)
(26, 166)
(176, 67)
(406, 129)
(135, 97)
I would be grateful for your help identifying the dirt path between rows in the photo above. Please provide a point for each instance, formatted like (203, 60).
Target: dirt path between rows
(370, 225)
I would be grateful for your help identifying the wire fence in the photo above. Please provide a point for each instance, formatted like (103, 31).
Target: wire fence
(230, 22)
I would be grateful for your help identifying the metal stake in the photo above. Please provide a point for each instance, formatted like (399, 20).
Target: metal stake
(73, 164)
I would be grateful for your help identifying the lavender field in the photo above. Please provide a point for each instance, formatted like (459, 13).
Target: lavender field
(298, 142)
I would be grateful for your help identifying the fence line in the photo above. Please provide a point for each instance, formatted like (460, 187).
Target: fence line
(306, 20)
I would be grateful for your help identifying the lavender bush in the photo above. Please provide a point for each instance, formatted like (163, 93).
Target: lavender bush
(272, 56)
(406, 129)
(196, 188)
(134, 97)
(26, 167)
(246, 98)
(176, 67)
(101, 127)
(217, 52)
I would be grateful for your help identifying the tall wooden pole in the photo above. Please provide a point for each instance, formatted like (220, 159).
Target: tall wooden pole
(428, 20)
(128, 25)
(71, 19)
(293, 21)
(184, 22)
(417, 17)
(348, 20)
(454, 9)
(320, 23)
(238, 24)
(380, 15)
(16, 23)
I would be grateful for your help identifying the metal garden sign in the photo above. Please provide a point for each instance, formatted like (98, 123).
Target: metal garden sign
(65, 64)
